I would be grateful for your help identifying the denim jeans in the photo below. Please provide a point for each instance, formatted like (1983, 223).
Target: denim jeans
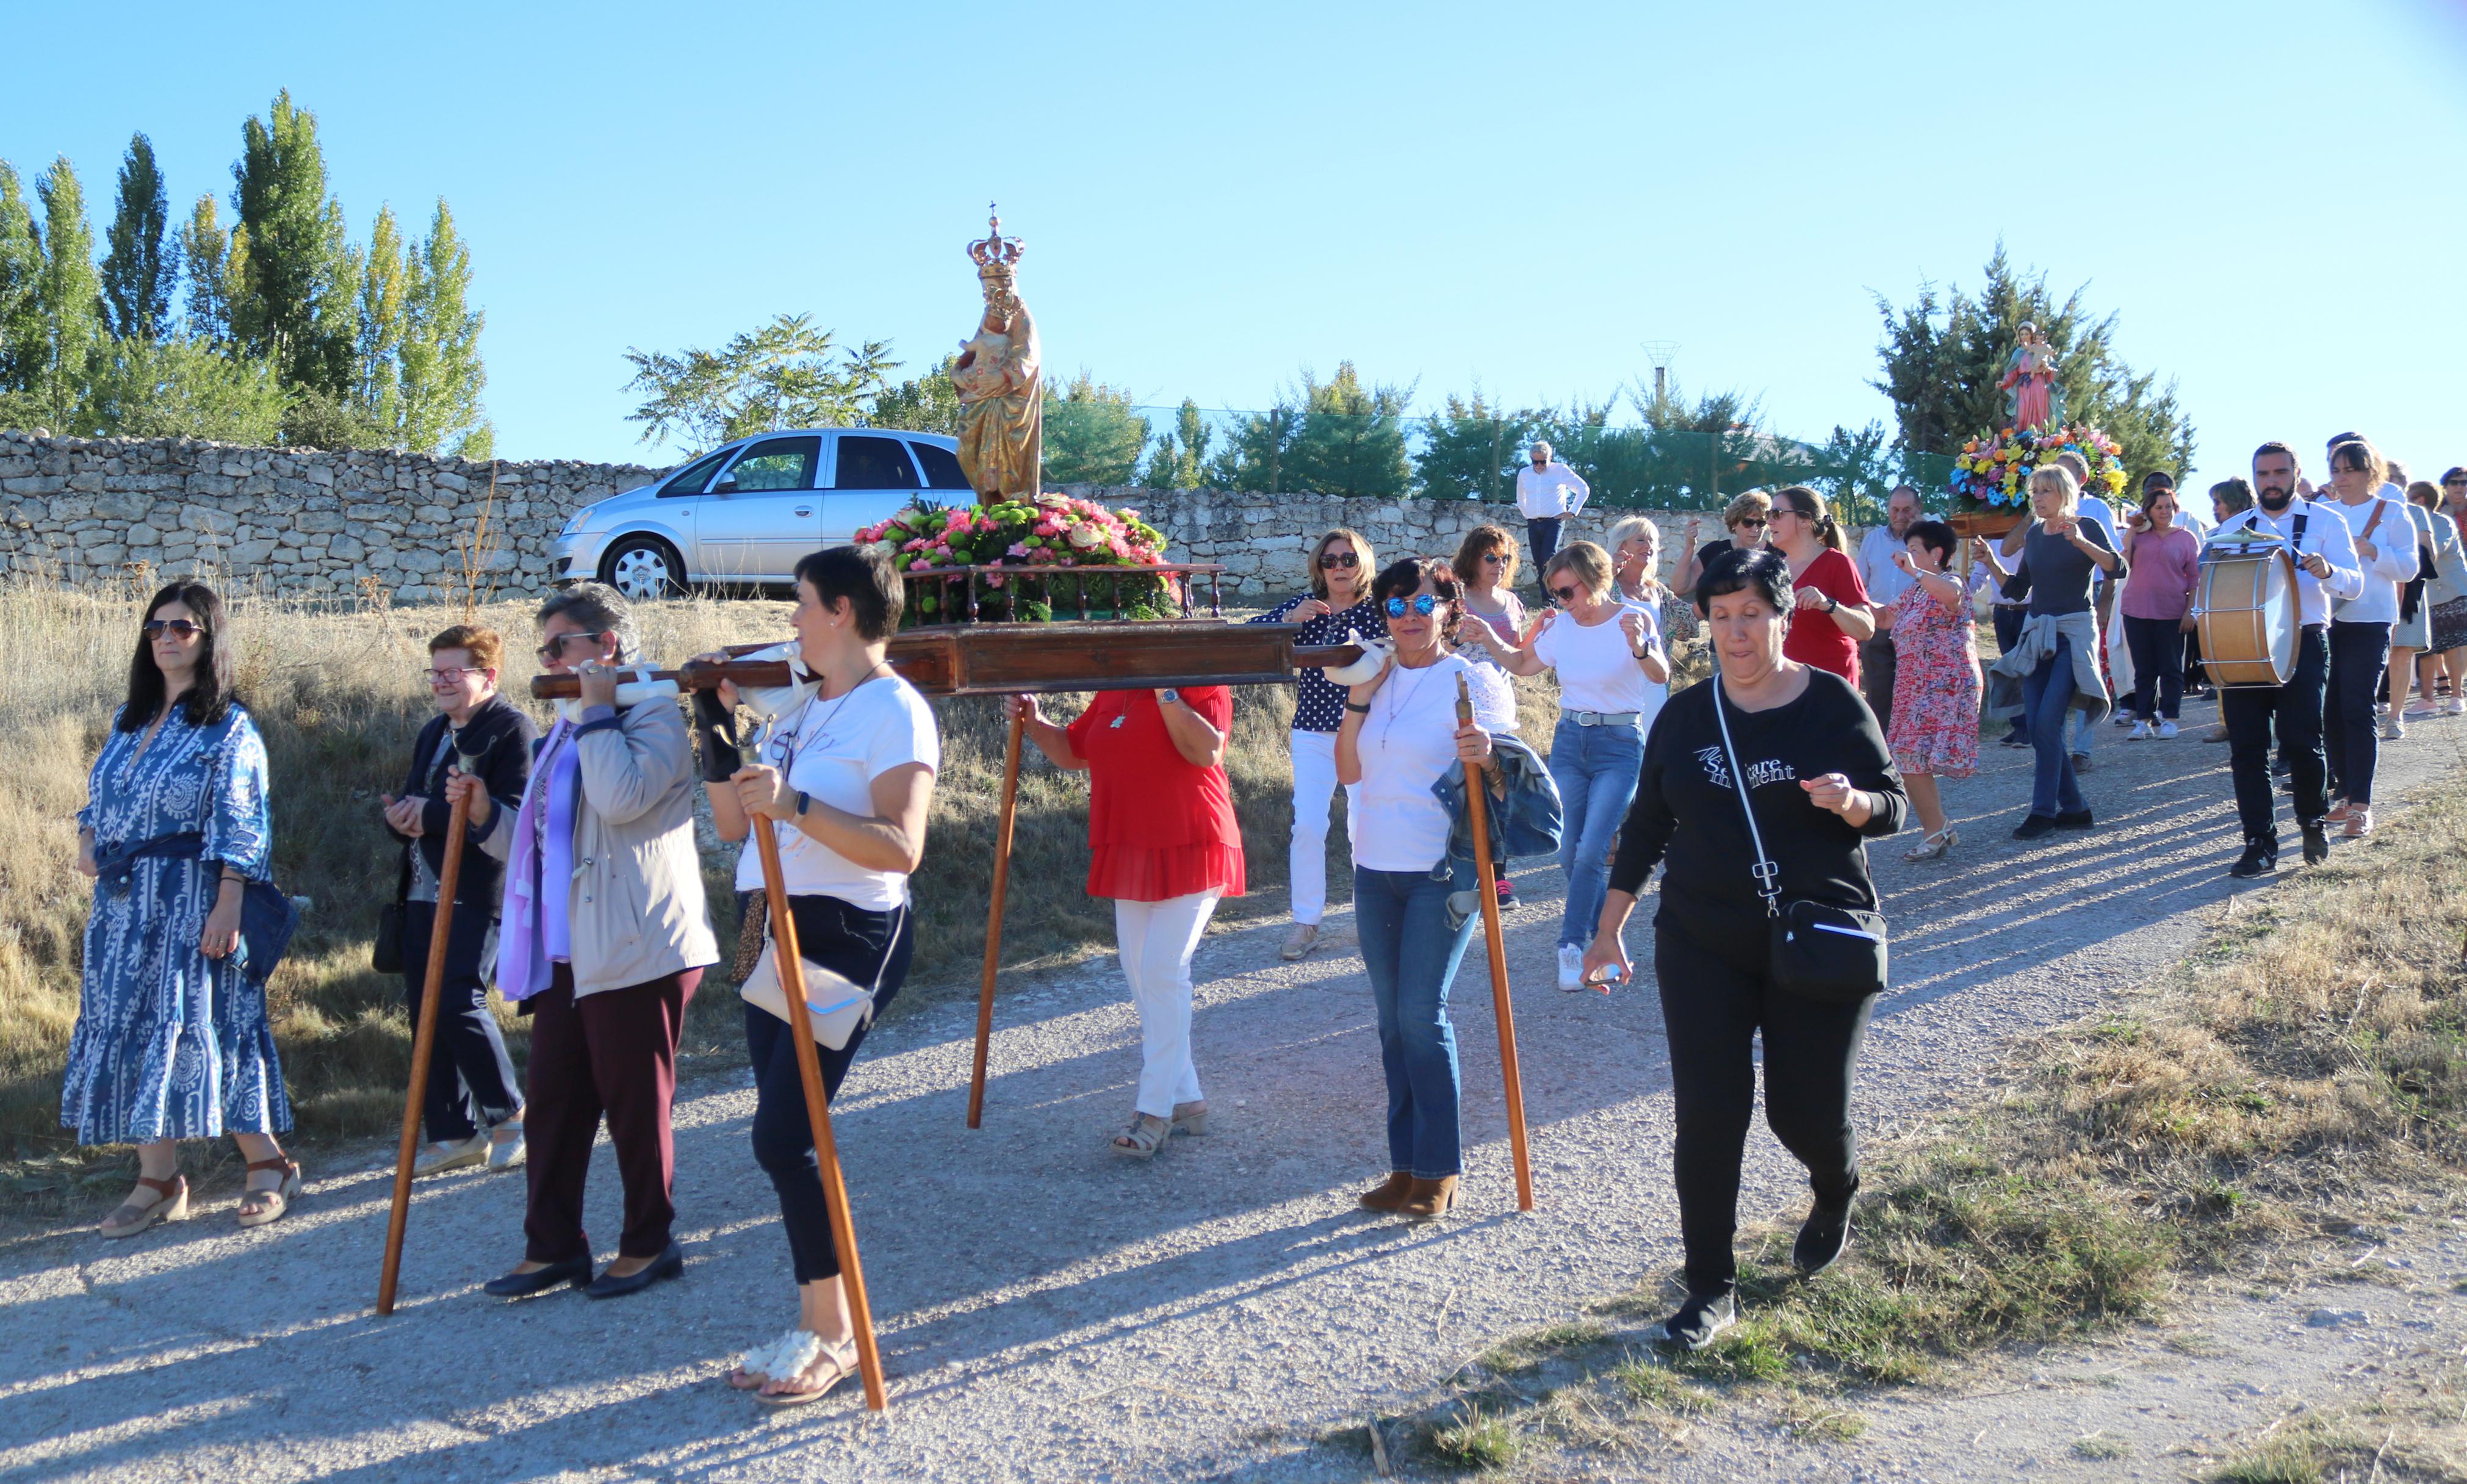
(1596, 768)
(2046, 703)
(1411, 959)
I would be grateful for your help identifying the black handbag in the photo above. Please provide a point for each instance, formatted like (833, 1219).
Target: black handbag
(1817, 950)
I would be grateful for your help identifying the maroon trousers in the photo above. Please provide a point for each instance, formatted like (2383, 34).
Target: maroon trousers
(615, 1053)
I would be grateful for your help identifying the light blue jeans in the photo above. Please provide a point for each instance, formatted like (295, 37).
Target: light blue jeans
(1411, 959)
(1597, 770)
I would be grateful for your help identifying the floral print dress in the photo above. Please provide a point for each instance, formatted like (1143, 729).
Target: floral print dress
(168, 1042)
(1935, 687)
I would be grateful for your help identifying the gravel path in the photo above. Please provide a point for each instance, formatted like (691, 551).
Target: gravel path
(1048, 1312)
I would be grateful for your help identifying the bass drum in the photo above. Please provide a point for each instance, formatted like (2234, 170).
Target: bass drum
(2245, 609)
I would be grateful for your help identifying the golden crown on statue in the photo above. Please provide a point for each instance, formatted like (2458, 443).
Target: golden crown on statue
(994, 254)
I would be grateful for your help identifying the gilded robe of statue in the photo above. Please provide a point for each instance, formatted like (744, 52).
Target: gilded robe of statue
(1000, 378)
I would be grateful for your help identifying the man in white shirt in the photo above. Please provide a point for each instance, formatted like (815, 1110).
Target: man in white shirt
(1885, 583)
(1547, 493)
(2360, 626)
(2326, 570)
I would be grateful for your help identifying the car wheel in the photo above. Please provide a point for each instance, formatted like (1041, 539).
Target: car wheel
(644, 567)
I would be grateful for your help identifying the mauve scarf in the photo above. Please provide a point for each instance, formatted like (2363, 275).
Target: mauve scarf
(536, 931)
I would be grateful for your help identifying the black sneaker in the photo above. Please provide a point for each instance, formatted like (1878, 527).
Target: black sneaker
(2073, 818)
(1821, 1238)
(1701, 1317)
(2260, 858)
(2316, 842)
(2034, 825)
(2016, 739)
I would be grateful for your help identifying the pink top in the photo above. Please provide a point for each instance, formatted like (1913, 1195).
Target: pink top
(2166, 564)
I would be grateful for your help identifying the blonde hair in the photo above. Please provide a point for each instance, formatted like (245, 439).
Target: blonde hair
(1479, 540)
(1756, 501)
(1364, 565)
(1588, 563)
(1632, 526)
(2062, 478)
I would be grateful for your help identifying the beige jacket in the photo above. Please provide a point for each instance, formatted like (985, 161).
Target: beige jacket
(636, 903)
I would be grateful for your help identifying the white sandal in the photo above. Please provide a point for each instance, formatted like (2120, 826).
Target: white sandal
(1145, 1136)
(1936, 846)
(171, 1203)
(840, 1358)
(785, 1356)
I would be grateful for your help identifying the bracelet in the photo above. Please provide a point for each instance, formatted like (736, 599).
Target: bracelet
(1358, 711)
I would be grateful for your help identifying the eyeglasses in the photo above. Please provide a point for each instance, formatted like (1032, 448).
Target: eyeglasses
(1566, 594)
(1334, 559)
(177, 628)
(452, 674)
(556, 646)
(1422, 603)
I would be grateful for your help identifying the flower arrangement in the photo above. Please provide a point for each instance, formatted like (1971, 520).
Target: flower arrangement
(1054, 531)
(1992, 474)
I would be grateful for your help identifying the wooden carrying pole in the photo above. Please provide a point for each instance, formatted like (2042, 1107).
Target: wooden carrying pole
(791, 963)
(994, 922)
(1478, 805)
(423, 1046)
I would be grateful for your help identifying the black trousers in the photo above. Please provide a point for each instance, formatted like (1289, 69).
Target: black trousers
(1542, 534)
(2296, 707)
(471, 1080)
(2359, 655)
(2158, 667)
(1878, 665)
(859, 944)
(1714, 1006)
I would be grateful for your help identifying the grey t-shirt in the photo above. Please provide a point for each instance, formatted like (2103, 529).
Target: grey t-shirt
(2060, 571)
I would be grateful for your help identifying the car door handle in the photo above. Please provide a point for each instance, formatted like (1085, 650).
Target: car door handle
(804, 510)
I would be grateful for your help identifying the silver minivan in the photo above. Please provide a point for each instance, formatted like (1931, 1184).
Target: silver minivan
(743, 514)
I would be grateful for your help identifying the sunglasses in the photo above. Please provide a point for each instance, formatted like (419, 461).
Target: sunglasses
(1566, 594)
(1752, 524)
(1339, 559)
(1494, 558)
(556, 646)
(177, 628)
(1422, 603)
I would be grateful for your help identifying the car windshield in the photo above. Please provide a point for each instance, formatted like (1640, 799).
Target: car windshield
(690, 479)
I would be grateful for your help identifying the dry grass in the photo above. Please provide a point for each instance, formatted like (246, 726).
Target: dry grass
(333, 690)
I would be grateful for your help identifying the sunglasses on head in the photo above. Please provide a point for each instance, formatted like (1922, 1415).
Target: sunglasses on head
(177, 628)
(1422, 603)
(1339, 559)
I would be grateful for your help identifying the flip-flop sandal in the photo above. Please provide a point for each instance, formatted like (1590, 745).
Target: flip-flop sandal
(169, 1204)
(279, 1197)
(840, 1370)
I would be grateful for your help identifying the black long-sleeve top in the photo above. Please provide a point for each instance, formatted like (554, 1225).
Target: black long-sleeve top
(1687, 814)
(497, 743)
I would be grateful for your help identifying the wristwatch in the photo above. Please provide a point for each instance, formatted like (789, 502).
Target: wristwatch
(1168, 693)
(802, 799)
(1830, 606)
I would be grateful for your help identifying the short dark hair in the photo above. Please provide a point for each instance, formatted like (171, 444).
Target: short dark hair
(2337, 438)
(1737, 569)
(2233, 493)
(866, 578)
(2158, 477)
(1937, 535)
(2274, 446)
(209, 697)
(1404, 577)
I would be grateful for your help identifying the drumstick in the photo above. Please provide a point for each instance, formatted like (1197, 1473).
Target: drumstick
(1478, 806)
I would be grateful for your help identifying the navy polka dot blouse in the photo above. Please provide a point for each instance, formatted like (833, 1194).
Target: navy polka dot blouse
(1320, 705)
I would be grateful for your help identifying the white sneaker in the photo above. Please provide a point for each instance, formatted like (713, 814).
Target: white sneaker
(2166, 729)
(2140, 732)
(504, 1154)
(439, 1158)
(1571, 966)
(1301, 941)
(2455, 707)
(2392, 728)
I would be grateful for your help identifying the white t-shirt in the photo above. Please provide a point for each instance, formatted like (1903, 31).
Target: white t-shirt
(1406, 743)
(834, 750)
(1597, 671)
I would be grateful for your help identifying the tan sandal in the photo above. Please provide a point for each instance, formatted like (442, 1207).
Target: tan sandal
(1190, 1118)
(1145, 1136)
(277, 1199)
(836, 1363)
(171, 1203)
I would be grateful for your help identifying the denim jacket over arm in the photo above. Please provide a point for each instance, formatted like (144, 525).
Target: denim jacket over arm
(1526, 819)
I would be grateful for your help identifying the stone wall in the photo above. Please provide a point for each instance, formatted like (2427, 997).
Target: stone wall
(297, 519)
(301, 521)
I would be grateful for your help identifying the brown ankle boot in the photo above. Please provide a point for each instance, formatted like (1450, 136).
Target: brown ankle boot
(1431, 1198)
(1390, 1194)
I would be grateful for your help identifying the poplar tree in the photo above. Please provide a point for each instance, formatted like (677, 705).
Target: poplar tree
(143, 265)
(442, 374)
(208, 253)
(23, 338)
(297, 286)
(71, 296)
(386, 278)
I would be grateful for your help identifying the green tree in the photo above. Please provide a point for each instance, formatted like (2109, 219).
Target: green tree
(205, 248)
(387, 272)
(442, 374)
(1351, 444)
(183, 387)
(24, 342)
(1942, 356)
(143, 265)
(1256, 451)
(928, 404)
(1181, 453)
(71, 296)
(1092, 434)
(781, 376)
(297, 290)
(1470, 448)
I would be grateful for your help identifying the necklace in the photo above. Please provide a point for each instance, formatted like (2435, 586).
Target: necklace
(787, 742)
(1388, 723)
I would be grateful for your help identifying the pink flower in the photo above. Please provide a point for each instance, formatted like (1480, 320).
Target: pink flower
(1017, 548)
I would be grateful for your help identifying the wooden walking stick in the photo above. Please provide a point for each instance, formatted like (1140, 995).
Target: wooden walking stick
(424, 1046)
(1478, 805)
(994, 923)
(791, 964)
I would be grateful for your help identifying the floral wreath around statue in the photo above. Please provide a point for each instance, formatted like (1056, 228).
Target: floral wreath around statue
(1992, 475)
(1054, 531)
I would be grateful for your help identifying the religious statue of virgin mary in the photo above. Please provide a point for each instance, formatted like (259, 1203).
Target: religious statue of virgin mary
(1000, 379)
(2031, 397)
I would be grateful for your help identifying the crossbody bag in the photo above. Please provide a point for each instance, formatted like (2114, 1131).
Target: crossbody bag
(1817, 950)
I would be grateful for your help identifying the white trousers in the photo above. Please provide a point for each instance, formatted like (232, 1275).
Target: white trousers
(1156, 941)
(1314, 798)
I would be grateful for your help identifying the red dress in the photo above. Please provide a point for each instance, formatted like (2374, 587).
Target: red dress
(1814, 638)
(1936, 686)
(1158, 825)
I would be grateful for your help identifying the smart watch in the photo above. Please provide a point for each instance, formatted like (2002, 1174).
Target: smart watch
(802, 799)
(1168, 693)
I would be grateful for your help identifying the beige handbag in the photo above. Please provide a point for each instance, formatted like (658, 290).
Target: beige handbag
(835, 1004)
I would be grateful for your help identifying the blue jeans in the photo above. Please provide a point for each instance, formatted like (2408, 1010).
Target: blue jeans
(1597, 770)
(1411, 959)
(2047, 700)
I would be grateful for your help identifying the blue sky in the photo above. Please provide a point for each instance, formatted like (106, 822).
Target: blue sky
(1517, 197)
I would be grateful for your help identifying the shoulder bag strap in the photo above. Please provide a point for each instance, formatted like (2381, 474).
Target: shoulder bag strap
(1764, 870)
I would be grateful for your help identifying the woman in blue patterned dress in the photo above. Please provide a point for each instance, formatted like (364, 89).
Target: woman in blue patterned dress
(172, 1039)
